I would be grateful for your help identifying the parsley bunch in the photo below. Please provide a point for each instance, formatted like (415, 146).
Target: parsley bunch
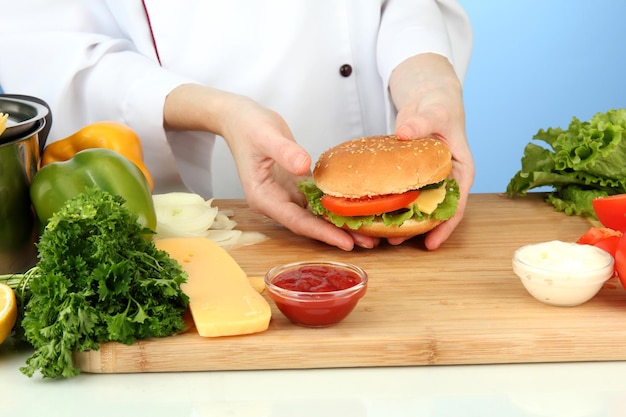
(98, 279)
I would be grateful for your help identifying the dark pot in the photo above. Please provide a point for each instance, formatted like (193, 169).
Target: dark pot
(20, 153)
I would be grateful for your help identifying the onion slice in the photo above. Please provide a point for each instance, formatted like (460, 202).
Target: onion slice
(182, 214)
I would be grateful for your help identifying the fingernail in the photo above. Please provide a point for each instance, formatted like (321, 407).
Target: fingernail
(363, 243)
(405, 132)
(300, 162)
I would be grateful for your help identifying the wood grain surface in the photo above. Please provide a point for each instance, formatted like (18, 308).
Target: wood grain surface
(460, 304)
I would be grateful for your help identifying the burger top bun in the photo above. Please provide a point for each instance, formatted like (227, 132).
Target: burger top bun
(379, 165)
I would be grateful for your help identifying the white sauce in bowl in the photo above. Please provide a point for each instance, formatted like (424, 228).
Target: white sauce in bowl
(562, 273)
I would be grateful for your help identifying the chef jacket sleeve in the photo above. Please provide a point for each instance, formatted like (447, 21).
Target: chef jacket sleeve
(75, 50)
(411, 27)
(69, 52)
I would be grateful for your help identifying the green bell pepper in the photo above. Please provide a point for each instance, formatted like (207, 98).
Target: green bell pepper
(57, 182)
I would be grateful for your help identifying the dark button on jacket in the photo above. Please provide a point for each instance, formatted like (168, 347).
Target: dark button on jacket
(345, 70)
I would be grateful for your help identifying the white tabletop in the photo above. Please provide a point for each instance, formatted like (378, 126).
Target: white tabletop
(553, 390)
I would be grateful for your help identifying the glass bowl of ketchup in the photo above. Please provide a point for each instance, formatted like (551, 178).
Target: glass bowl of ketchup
(316, 293)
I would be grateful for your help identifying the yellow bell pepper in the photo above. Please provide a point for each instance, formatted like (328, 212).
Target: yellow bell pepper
(109, 135)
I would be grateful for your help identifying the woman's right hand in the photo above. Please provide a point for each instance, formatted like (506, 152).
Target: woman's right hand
(269, 161)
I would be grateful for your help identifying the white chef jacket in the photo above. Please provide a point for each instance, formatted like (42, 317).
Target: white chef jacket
(116, 60)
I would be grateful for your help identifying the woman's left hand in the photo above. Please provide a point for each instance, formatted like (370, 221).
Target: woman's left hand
(429, 99)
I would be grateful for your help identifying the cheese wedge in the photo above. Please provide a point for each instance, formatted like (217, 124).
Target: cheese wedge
(258, 283)
(221, 298)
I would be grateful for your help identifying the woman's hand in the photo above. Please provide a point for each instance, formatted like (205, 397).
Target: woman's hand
(269, 161)
(270, 165)
(429, 99)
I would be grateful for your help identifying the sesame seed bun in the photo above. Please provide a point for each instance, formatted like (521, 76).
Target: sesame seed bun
(378, 165)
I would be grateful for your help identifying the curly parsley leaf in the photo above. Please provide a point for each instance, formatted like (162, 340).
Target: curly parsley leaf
(98, 280)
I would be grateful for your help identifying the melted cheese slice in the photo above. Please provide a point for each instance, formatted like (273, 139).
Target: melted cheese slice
(222, 300)
(428, 200)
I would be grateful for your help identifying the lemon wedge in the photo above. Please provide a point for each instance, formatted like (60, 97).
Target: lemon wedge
(8, 311)
(3, 122)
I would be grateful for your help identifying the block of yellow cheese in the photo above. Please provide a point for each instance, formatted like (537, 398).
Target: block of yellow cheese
(221, 299)
(258, 283)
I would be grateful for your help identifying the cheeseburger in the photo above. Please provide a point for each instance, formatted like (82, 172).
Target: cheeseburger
(383, 186)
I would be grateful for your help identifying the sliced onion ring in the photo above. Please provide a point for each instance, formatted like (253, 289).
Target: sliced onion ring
(181, 214)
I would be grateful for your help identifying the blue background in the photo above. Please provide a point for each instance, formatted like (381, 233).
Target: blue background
(536, 64)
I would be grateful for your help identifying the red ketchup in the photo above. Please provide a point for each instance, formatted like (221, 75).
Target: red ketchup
(317, 294)
(316, 278)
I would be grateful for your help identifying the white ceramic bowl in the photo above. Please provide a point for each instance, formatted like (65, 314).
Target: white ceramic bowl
(562, 273)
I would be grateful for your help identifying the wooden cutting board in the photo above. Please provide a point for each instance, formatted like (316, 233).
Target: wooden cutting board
(460, 304)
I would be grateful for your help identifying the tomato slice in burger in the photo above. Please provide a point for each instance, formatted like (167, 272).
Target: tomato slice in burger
(368, 205)
(611, 211)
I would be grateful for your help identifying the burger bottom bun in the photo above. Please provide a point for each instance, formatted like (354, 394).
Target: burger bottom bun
(408, 229)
